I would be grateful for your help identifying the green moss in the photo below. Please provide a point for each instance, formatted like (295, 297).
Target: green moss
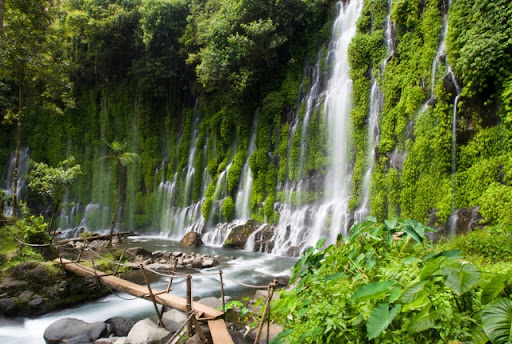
(235, 170)
(228, 209)
(207, 207)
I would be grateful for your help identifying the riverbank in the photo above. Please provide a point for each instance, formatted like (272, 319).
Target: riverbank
(247, 267)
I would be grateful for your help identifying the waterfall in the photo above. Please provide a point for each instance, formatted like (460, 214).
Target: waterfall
(250, 244)
(189, 170)
(22, 172)
(376, 103)
(132, 169)
(243, 196)
(305, 225)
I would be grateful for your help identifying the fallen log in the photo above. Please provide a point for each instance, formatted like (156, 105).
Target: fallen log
(95, 237)
(161, 297)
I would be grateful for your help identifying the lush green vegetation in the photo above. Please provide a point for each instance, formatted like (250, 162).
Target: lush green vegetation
(386, 283)
(171, 77)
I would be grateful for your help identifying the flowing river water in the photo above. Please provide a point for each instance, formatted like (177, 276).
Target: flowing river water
(244, 266)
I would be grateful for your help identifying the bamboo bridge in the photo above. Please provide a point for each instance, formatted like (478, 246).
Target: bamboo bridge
(196, 312)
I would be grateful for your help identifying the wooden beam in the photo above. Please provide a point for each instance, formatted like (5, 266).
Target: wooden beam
(134, 289)
(219, 332)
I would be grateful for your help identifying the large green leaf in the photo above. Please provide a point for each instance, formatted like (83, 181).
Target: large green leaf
(432, 269)
(413, 234)
(414, 292)
(462, 278)
(380, 318)
(424, 320)
(497, 321)
(372, 291)
(494, 288)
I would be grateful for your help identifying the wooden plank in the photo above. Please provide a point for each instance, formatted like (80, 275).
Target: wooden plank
(134, 289)
(219, 332)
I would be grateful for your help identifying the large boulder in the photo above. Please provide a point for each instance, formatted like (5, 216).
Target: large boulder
(238, 236)
(191, 239)
(147, 332)
(70, 330)
(173, 320)
(211, 301)
(121, 326)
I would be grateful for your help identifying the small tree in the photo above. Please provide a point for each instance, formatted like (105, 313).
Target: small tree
(53, 181)
(32, 60)
(119, 159)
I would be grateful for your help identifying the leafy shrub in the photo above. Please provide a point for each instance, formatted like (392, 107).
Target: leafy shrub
(228, 209)
(207, 207)
(385, 283)
(492, 246)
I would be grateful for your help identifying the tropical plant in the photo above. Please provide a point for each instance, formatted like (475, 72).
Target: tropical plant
(119, 159)
(53, 181)
(385, 283)
(32, 61)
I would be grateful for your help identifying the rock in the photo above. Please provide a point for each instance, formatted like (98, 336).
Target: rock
(397, 159)
(239, 234)
(25, 296)
(172, 319)
(122, 340)
(157, 254)
(239, 338)
(159, 267)
(191, 239)
(188, 261)
(110, 340)
(70, 330)
(293, 251)
(120, 326)
(208, 263)
(197, 263)
(147, 332)
(147, 261)
(6, 306)
(177, 254)
(36, 301)
(275, 329)
(282, 281)
(10, 283)
(263, 239)
(195, 339)
(263, 294)
(211, 302)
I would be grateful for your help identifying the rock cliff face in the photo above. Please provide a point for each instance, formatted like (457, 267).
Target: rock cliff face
(34, 288)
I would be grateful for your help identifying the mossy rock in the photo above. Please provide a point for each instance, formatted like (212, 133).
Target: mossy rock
(239, 235)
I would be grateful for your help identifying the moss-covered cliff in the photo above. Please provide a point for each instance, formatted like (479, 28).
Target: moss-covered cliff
(187, 83)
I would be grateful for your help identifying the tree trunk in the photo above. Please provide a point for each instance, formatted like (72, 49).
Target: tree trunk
(116, 205)
(52, 219)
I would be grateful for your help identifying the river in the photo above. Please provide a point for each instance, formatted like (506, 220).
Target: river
(247, 267)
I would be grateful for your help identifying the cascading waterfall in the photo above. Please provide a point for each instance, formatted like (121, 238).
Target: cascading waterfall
(376, 103)
(243, 196)
(179, 217)
(22, 172)
(331, 217)
(251, 240)
(132, 168)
